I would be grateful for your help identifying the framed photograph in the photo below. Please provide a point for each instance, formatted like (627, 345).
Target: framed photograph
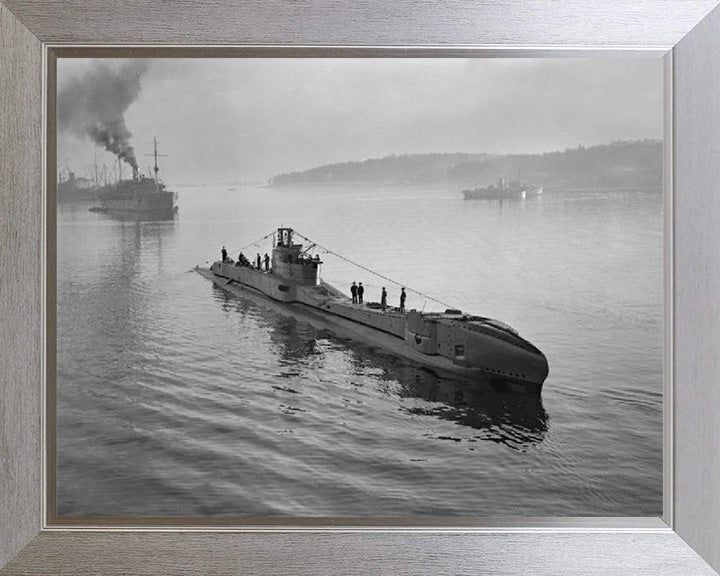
(439, 307)
(324, 355)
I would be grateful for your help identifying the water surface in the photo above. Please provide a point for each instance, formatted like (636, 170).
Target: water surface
(175, 398)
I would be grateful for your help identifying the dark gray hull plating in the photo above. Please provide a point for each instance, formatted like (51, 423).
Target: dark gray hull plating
(489, 355)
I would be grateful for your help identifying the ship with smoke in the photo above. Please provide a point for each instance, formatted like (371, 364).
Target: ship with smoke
(139, 194)
(93, 106)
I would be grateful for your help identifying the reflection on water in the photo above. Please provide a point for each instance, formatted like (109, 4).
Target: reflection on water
(139, 216)
(515, 420)
(503, 416)
(178, 399)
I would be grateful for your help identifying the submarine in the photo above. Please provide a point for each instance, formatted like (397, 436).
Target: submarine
(450, 342)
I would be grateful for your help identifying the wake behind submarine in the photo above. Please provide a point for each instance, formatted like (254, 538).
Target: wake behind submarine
(450, 342)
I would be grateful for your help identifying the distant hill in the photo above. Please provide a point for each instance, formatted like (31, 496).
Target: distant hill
(619, 164)
(394, 169)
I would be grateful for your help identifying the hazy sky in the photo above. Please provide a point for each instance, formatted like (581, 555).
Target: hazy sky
(222, 120)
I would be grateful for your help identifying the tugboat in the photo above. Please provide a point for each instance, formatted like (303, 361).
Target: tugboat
(141, 194)
(449, 342)
(503, 191)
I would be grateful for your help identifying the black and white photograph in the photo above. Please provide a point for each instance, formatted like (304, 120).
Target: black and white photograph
(359, 287)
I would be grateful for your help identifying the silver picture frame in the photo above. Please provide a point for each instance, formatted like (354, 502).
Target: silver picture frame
(685, 33)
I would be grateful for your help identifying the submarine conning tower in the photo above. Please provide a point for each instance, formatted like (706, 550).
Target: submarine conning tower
(289, 261)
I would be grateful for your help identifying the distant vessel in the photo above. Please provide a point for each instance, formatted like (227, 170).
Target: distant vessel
(140, 194)
(448, 342)
(71, 187)
(503, 190)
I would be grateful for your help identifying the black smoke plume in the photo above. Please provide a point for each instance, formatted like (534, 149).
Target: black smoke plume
(94, 105)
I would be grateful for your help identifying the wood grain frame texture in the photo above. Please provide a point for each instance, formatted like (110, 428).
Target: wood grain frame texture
(688, 30)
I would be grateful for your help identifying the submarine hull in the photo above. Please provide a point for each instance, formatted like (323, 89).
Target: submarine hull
(489, 355)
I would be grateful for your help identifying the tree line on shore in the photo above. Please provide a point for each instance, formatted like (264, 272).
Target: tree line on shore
(619, 164)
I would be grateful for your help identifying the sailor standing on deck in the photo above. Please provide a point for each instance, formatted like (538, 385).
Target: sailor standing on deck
(223, 253)
(402, 299)
(361, 291)
(354, 292)
(267, 262)
(383, 299)
(257, 260)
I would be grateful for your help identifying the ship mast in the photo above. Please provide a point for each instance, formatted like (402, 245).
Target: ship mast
(156, 166)
(96, 181)
(156, 169)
